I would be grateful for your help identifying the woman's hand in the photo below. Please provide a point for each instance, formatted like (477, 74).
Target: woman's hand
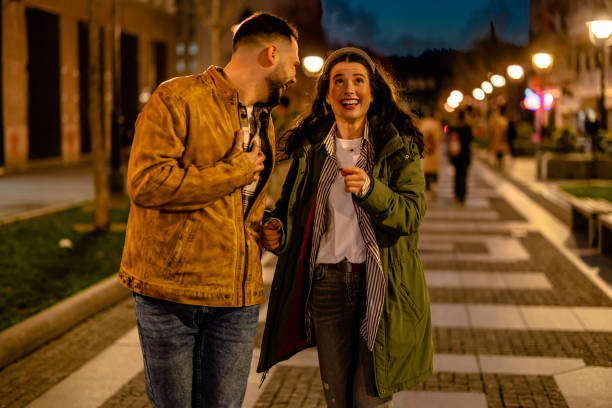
(354, 179)
(271, 234)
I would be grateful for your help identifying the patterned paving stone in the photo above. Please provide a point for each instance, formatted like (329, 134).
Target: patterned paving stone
(99, 378)
(131, 395)
(588, 387)
(500, 249)
(27, 379)
(293, 387)
(487, 280)
(417, 399)
(286, 389)
(501, 391)
(570, 287)
(594, 348)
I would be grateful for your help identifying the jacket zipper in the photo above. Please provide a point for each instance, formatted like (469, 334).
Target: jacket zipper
(244, 225)
(246, 263)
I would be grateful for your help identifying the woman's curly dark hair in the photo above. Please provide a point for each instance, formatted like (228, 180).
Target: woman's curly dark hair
(385, 109)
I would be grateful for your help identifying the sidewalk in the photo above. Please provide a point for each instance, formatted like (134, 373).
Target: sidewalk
(31, 194)
(521, 171)
(519, 321)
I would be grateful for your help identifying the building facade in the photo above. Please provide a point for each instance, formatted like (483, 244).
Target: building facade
(45, 60)
(559, 27)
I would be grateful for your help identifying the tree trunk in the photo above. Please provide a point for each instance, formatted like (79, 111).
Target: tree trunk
(215, 26)
(100, 167)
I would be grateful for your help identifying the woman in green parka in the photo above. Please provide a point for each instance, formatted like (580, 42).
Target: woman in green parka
(349, 279)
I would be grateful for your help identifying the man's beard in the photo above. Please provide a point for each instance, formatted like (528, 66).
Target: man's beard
(275, 84)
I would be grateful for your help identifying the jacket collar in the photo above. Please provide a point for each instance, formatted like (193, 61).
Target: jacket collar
(329, 143)
(393, 141)
(222, 85)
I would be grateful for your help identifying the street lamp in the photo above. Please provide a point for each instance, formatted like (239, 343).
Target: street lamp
(498, 80)
(456, 95)
(600, 34)
(312, 65)
(515, 72)
(478, 94)
(486, 86)
(542, 60)
(453, 103)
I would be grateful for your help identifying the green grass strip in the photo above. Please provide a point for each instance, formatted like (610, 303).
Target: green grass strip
(35, 272)
(604, 192)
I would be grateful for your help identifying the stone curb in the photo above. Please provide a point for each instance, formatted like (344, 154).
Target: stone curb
(557, 206)
(23, 338)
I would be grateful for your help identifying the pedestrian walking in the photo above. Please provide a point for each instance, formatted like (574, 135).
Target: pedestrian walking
(498, 137)
(348, 278)
(460, 153)
(198, 173)
(432, 131)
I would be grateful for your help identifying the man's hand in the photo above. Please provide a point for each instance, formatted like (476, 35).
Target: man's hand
(271, 234)
(257, 158)
(354, 179)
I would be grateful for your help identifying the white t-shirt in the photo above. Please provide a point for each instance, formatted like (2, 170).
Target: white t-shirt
(342, 239)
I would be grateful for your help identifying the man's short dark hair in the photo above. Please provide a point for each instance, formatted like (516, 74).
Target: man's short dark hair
(262, 25)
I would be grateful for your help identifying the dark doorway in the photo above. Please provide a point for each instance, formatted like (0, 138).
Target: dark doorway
(129, 84)
(160, 55)
(84, 86)
(43, 84)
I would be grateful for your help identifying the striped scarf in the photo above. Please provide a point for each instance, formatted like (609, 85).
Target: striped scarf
(375, 279)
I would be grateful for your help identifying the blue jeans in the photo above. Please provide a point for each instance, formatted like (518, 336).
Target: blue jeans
(195, 356)
(338, 307)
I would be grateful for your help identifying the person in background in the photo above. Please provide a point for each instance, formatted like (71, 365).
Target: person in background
(462, 134)
(348, 277)
(432, 131)
(197, 178)
(283, 118)
(498, 138)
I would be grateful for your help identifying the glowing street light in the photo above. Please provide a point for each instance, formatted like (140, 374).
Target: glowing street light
(515, 72)
(478, 94)
(312, 65)
(456, 96)
(600, 29)
(498, 80)
(453, 103)
(542, 60)
(486, 86)
(600, 34)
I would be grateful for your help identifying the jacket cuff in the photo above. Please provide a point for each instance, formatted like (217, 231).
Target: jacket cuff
(242, 162)
(366, 190)
(281, 239)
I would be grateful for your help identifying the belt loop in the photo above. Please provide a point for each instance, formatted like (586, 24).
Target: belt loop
(347, 269)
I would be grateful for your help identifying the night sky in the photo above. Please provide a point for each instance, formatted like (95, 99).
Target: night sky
(408, 27)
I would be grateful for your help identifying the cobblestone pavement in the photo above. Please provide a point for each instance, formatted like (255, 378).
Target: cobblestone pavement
(513, 344)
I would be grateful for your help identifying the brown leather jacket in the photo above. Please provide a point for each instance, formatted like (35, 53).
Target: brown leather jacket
(187, 238)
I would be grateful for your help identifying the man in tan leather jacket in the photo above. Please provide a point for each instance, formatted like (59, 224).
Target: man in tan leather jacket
(198, 173)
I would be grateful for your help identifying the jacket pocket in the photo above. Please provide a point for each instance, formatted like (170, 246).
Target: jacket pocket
(403, 321)
(180, 243)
